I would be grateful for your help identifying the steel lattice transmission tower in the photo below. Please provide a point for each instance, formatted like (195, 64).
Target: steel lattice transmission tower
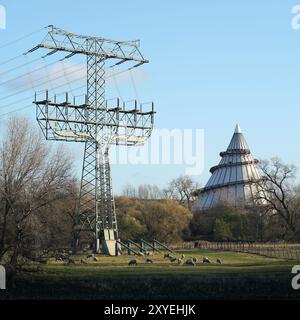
(98, 123)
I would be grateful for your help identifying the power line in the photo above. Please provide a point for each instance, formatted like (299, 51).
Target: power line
(27, 73)
(20, 66)
(48, 74)
(74, 89)
(66, 76)
(22, 38)
(12, 103)
(116, 83)
(134, 86)
(10, 112)
(81, 78)
(40, 68)
(24, 90)
(11, 59)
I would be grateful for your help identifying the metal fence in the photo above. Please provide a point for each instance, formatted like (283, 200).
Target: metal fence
(286, 251)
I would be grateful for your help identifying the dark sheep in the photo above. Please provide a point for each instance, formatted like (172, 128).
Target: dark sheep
(149, 261)
(71, 261)
(132, 262)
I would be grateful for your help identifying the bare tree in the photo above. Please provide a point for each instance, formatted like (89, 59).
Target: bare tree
(182, 189)
(144, 191)
(129, 191)
(31, 177)
(280, 197)
(148, 191)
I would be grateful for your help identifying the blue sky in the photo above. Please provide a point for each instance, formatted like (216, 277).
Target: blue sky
(212, 64)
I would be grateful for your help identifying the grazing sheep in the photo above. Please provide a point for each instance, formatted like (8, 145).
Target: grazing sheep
(149, 254)
(180, 262)
(206, 260)
(195, 259)
(219, 261)
(95, 259)
(132, 262)
(62, 257)
(149, 261)
(140, 254)
(190, 262)
(173, 259)
(182, 256)
(71, 261)
(83, 261)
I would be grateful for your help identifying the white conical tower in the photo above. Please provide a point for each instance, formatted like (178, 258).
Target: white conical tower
(234, 180)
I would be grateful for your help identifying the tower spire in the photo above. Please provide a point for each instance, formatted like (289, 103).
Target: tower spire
(237, 129)
(234, 181)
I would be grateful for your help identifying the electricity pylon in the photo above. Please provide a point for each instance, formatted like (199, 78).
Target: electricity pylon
(98, 123)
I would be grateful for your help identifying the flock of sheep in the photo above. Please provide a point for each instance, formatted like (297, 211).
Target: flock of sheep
(180, 261)
(190, 261)
(65, 257)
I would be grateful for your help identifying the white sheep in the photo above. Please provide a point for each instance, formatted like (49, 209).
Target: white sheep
(140, 254)
(180, 262)
(206, 260)
(219, 261)
(190, 262)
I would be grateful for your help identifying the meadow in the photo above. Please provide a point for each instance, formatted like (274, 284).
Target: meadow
(240, 276)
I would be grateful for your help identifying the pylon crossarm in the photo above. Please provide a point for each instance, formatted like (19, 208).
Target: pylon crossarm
(71, 122)
(61, 40)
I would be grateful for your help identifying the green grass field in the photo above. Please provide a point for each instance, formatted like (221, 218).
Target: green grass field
(241, 276)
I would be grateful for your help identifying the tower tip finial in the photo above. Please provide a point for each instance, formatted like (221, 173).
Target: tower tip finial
(238, 129)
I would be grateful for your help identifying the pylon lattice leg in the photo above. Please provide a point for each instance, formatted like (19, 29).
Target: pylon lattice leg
(96, 210)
